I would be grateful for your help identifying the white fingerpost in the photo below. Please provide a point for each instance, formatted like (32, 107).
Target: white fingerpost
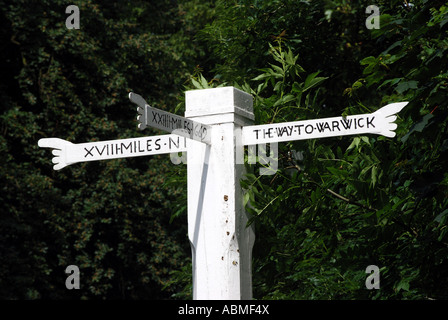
(219, 125)
(221, 243)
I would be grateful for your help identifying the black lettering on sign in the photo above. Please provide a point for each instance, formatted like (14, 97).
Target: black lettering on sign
(346, 123)
(175, 143)
(188, 126)
(335, 124)
(359, 124)
(171, 141)
(139, 148)
(309, 129)
(177, 123)
(89, 152)
(128, 147)
(284, 130)
(102, 150)
(268, 133)
(280, 131)
(322, 126)
(154, 114)
(117, 149)
(203, 133)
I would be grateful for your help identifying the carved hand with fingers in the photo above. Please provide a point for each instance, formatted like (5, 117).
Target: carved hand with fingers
(386, 116)
(60, 151)
(141, 109)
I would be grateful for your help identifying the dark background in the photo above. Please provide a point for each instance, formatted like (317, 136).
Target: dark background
(123, 222)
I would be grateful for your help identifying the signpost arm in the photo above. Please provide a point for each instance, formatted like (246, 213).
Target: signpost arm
(220, 241)
(141, 109)
(380, 122)
(172, 123)
(218, 124)
(67, 153)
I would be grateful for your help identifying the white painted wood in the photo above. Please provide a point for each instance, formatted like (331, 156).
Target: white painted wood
(169, 122)
(66, 153)
(380, 122)
(220, 241)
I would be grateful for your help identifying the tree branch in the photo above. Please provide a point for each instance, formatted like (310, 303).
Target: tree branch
(337, 195)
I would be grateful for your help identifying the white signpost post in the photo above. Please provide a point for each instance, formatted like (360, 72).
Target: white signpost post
(218, 124)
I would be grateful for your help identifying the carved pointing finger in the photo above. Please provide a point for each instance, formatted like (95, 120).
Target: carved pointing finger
(59, 146)
(391, 109)
(391, 118)
(137, 99)
(387, 114)
(55, 143)
(392, 126)
(141, 109)
(59, 166)
(389, 134)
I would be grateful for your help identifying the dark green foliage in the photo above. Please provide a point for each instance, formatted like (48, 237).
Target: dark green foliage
(109, 218)
(352, 201)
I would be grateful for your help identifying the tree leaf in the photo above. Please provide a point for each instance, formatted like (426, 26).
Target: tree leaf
(406, 85)
(418, 126)
(402, 285)
(312, 80)
(374, 175)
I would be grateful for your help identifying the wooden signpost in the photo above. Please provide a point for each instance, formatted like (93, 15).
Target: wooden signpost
(217, 126)
(67, 153)
(380, 122)
(169, 122)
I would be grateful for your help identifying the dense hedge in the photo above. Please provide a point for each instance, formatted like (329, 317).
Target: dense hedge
(350, 202)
